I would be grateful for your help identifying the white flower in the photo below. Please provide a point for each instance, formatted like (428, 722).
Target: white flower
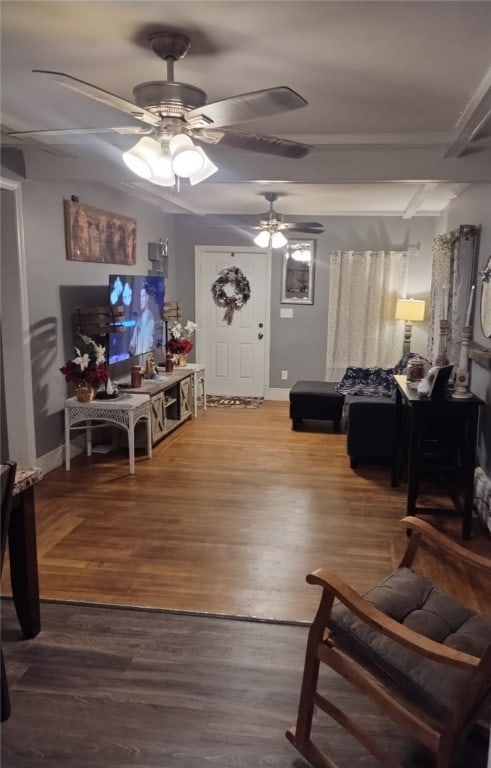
(100, 354)
(176, 331)
(179, 332)
(190, 327)
(82, 360)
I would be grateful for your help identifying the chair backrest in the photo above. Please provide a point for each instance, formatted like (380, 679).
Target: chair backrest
(7, 479)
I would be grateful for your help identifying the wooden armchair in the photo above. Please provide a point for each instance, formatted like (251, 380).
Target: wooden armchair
(421, 656)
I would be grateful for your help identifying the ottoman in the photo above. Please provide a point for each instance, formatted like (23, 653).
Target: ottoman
(315, 400)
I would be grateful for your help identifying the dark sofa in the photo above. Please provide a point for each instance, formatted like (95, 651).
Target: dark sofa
(370, 411)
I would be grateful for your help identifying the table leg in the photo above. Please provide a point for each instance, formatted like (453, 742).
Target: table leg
(67, 440)
(149, 437)
(88, 438)
(195, 395)
(414, 458)
(469, 455)
(396, 457)
(23, 562)
(131, 443)
(204, 391)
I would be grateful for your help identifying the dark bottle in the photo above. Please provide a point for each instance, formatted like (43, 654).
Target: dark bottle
(169, 362)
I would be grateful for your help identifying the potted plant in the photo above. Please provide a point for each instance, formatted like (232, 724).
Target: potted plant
(88, 369)
(180, 343)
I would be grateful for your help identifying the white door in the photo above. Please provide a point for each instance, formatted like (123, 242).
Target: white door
(235, 355)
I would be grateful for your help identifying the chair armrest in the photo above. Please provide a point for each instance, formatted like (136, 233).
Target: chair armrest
(425, 530)
(388, 626)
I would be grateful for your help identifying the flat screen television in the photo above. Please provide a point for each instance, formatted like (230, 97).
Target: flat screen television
(142, 297)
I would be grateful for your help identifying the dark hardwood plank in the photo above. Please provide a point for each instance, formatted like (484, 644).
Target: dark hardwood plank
(111, 688)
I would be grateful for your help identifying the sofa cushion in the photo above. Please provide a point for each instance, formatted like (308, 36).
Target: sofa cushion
(413, 600)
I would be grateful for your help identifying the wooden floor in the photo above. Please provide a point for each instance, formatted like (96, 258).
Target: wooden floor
(228, 517)
(114, 688)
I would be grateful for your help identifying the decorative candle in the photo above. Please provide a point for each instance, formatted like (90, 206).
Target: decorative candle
(469, 308)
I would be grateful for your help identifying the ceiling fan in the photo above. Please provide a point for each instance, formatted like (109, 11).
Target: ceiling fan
(272, 226)
(175, 113)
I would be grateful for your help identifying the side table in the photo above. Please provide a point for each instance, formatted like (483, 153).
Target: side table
(124, 412)
(462, 417)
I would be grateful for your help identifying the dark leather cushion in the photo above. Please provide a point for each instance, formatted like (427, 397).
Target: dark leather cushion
(315, 400)
(413, 600)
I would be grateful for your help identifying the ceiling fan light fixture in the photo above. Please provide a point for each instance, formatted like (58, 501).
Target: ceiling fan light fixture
(207, 170)
(141, 157)
(300, 253)
(162, 173)
(262, 240)
(278, 240)
(186, 159)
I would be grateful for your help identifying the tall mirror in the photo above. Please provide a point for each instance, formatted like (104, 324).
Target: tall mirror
(298, 272)
(486, 300)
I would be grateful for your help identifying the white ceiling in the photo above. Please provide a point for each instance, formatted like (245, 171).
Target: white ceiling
(399, 96)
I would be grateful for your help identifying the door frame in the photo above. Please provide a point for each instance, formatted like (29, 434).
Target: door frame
(200, 252)
(17, 353)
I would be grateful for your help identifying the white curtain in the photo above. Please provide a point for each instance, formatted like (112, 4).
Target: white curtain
(361, 327)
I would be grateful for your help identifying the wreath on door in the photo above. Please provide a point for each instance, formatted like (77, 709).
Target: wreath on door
(231, 290)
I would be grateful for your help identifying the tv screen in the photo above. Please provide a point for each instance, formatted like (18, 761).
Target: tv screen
(142, 297)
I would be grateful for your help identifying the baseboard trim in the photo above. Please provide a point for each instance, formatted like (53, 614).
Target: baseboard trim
(54, 459)
(278, 393)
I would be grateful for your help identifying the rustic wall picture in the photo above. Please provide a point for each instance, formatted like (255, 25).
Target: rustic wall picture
(96, 235)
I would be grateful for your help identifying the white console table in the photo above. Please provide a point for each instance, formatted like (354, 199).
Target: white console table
(124, 411)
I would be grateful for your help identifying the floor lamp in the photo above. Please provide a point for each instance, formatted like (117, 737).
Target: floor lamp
(409, 310)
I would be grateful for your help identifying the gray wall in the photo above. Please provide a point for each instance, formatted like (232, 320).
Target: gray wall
(474, 207)
(56, 286)
(298, 345)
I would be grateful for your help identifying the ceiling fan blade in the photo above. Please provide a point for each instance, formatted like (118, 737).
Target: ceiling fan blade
(270, 145)
(55, 133)
(307, 230)
(98, 94)
(309, 224)
(246, 106)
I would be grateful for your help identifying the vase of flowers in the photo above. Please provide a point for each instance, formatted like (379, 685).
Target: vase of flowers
(88, 369)
(180, 343)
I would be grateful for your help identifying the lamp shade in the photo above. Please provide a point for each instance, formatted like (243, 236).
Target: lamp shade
(162, 173)
(186, 159)
(278, 240)
(206, 171)
(410, 310)
(262, 239)
(141, 157)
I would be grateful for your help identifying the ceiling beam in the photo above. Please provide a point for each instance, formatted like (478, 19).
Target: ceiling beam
(477, 111)
(417, 199)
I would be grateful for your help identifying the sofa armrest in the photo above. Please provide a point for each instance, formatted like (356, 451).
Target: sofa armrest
(370, 424)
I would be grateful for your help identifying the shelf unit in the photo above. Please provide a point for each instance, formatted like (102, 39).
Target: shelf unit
(170, 401)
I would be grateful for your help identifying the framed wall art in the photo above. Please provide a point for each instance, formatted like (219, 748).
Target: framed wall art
(100, 236)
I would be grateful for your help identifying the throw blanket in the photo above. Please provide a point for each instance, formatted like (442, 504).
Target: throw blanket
(372, 382)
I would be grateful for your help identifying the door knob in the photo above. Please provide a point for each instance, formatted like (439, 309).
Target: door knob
(260, 336)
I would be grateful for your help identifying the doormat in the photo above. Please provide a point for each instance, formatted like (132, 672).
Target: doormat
(231, 401)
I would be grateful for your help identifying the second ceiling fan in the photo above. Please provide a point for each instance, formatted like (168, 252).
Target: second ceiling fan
(272, 227)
